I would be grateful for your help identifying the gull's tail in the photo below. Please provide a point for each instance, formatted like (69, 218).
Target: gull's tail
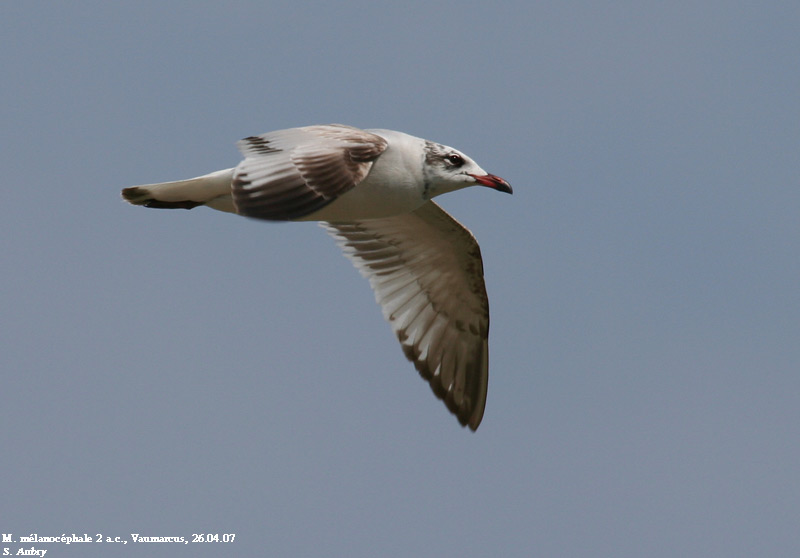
(213, 190)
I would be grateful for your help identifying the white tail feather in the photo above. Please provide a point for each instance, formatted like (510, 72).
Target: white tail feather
(213, 190)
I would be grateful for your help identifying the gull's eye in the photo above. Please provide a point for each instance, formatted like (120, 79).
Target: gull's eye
(455, 160)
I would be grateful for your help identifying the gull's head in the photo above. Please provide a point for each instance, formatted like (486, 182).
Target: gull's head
(446, 169)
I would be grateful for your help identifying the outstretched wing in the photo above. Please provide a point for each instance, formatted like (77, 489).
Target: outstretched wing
(290, 173)
(427, 274)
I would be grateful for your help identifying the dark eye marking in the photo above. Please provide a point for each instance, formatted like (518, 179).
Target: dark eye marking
(437, 154)
(455, 159)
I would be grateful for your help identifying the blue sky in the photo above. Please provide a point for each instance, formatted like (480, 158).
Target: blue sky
(175, 372)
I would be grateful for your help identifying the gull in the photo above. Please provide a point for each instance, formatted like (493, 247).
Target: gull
(372, 191)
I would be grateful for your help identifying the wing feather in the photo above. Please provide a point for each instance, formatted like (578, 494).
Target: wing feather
(427, 274)
(291, 173)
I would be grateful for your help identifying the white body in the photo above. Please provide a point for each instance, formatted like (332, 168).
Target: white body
(373, 189)
(393, 186)
(399, 166)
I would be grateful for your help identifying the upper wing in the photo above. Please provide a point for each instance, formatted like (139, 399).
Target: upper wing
(290, 173)
(427, 274)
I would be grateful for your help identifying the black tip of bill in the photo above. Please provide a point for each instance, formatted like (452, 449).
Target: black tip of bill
(494, 182)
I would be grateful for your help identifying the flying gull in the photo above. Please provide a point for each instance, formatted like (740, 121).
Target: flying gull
(372, 191)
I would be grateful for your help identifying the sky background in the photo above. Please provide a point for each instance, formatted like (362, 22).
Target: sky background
(176, 372)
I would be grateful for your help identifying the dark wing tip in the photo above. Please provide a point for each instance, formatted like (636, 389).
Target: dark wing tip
(135, 195)
(468, 413)
(258, 144)
(142, 196)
